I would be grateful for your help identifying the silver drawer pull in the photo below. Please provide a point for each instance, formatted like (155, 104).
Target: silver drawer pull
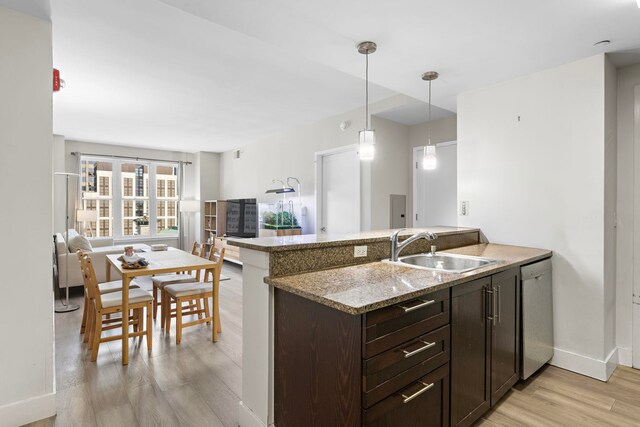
(415, 307)
(426, 387)
(426, 345)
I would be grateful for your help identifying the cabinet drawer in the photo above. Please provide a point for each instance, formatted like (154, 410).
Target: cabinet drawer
(391, 326)
(424, 402)
(398, 367)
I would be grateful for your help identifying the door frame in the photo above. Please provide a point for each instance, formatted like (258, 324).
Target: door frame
(635, 295)
(318, 157)
(417, 153)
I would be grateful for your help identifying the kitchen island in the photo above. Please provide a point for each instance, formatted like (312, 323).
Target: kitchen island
(321, 343)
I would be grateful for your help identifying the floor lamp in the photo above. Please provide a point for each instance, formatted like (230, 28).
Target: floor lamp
(87, 216)
(187, 207)
(66, 307)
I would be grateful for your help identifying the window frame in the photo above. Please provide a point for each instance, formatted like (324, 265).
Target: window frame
(117, 197)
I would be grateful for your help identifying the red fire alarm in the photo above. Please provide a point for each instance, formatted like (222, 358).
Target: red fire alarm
(56, 80)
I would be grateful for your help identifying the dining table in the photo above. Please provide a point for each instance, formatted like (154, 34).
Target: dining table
(160, 262)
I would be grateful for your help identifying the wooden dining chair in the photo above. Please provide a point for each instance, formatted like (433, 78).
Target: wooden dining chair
(110, 303)
(163, 280)
(185, 292)
(104, 288)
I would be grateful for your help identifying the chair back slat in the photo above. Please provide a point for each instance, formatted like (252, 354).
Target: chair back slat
(216, 255)
(82, 257)
(89, 276)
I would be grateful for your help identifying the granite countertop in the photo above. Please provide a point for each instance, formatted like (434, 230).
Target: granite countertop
(366, 287)
(309, 241)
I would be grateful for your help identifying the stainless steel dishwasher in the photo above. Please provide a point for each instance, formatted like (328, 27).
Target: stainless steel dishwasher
(537, 317)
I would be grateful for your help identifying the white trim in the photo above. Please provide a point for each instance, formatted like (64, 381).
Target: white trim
(611, 362)
(625, 356)
(585, 365)
(29, 410)
(247, 418)
(635, 308)
(319, 175)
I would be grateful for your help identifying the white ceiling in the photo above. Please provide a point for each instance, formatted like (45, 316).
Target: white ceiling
(38, 8)
(213, 75)
(414, 112)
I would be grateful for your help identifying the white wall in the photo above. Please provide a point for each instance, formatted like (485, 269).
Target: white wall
(436, 190)
(59, 183)
(628, 159)
(206, 187)
(26, 353)
(531, 163)
(442, 130)
(389, 174)
(291, 153)
(610, 196)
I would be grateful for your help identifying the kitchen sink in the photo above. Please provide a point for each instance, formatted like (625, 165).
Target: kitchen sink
(445, 262)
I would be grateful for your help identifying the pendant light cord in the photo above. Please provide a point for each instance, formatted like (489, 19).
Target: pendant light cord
(366, 91)
(429, 122)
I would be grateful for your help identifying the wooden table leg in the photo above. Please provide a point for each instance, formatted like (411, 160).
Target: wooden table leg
(108, 271)
(125, 318)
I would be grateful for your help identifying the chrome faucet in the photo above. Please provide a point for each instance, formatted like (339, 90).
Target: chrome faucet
(396, 247)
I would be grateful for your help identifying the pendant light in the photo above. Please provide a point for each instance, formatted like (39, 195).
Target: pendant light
(429, 158)
(366, 149)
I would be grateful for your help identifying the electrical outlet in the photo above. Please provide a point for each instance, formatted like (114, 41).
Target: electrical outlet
(359, 251)
(464, 208)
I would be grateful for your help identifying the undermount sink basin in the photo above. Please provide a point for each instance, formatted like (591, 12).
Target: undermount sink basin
(445, 262)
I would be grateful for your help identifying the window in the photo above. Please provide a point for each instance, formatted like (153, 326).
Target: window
(166, 181)
(133, 198)
(97, 193)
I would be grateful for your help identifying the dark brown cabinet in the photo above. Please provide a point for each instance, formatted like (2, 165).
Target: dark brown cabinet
(505, 348)
(385, 368)
(484, 344)
(441, 359)
(424, 403)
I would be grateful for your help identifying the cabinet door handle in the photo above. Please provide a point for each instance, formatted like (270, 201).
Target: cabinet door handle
(426, 387)
(415, 307)
(494, 310)
(426, 346)
(499, 304)
(489, 303)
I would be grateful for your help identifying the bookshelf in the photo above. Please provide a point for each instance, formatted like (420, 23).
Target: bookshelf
(215, 213)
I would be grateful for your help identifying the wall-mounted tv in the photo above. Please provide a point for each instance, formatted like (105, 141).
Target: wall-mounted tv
(242, 218)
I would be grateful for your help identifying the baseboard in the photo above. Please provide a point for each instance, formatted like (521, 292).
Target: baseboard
(625, 356)
(584, 365)
(611, 363)
(28, 411)
(247, 418)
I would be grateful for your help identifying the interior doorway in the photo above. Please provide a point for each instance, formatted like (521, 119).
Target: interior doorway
(435, 192)
(338, 190)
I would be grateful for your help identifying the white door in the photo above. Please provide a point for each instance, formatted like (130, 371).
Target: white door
(435, 192)
(338, 191)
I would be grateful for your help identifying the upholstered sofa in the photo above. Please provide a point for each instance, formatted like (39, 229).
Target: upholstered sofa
(101, 247)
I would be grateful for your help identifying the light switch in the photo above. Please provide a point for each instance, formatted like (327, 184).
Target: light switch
(464, 208)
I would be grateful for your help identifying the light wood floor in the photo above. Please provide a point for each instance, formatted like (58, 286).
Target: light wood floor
(199, 383)
(195, 384)
(555, 397)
